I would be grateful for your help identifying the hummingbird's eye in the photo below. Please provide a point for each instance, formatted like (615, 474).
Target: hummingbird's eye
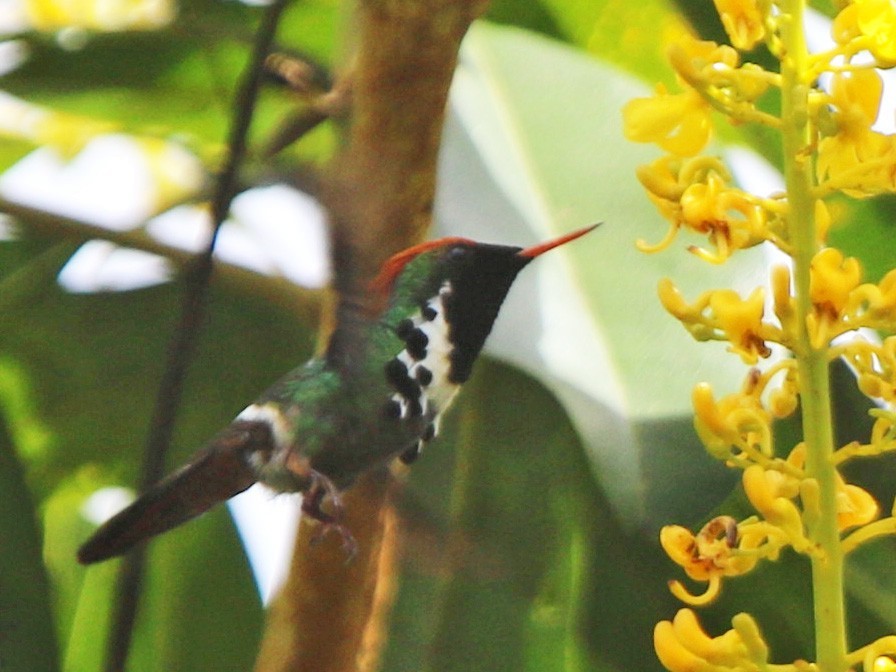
(458, 252)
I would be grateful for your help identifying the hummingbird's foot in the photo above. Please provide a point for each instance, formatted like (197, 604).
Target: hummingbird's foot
(312, 502)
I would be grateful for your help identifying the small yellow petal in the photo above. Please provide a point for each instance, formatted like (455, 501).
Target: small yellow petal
(877, 20)
(741, 321)
(845, 26)
(858, 92)
(743, 20)
(679, 123)
(673, 654)
(884, 664)
(832, 278)
(855, 506)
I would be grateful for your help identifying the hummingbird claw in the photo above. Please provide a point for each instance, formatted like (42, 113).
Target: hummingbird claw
(349, 545)
(312, 507)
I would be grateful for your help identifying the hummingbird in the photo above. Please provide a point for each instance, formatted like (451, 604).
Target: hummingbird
(375, 394)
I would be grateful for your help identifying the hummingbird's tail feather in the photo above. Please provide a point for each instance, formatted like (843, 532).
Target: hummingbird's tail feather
(216, 474)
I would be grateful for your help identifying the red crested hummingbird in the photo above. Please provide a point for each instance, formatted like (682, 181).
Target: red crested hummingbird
(376, 394)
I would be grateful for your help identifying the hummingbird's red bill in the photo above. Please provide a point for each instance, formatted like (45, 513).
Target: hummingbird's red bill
(541, 248)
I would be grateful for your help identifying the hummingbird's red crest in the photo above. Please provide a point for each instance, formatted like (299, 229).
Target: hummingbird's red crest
(394, 265)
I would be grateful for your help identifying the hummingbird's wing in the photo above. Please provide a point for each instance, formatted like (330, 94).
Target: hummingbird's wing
(218, 472)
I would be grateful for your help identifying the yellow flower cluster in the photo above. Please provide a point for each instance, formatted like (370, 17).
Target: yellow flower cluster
(801, 500)
(784, 499)
(854, 158)
(695, 192)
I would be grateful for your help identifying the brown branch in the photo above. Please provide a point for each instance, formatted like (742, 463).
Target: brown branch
(331, 614)
(380, 188)
(379, 192)
(306, 303)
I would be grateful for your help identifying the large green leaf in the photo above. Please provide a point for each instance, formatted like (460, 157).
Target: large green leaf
(518, 156)
(27, 634)
(629, 35)
(529, 568)
(198, 606)
(864, 229)
(93, 363)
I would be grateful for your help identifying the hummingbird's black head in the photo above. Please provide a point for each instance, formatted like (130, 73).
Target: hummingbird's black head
(473, 281)
(466, 281)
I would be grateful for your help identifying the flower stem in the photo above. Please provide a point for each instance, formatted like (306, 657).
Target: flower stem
(812, 362)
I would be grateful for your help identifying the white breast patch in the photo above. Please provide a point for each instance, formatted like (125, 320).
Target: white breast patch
(427, 357)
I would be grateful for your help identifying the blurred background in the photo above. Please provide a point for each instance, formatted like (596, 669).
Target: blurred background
(567, 451)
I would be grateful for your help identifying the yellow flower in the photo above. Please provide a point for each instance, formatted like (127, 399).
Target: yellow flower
(845, 26)
(695, 192)
(875, 367)
(722, 315)
(683, 646)
(855, 506)
(709, 555)
(735, 421)
(660, 178)
(884, 664)
(696, 60)
(51, 15)
(784, 400)
(714, 70)
(879, 302)
(729, 217)
(832, 279)
(877, 20)
(857, 159)
(679, 123)
(741, 321)
(708, 552)
(743, 22)
(861, 163)
(857, 96)
(673, 300)
(700, 206)
(771, 494)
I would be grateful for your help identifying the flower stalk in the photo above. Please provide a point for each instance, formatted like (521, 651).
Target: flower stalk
(802, 501)
(812, 361)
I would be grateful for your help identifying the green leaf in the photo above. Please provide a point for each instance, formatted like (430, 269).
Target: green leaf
(632, 36)
(144, 82)
(199, 609)
(202, 611)
(864, 229)
(84, 600)
(27, 634)
(585, 319)
(93, 363)
(510, 452)
(535, 572)
(871, 584)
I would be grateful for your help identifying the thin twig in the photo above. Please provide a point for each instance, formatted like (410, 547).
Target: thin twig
(196, 280)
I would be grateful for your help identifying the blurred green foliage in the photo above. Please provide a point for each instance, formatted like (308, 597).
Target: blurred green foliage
(557, 488)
